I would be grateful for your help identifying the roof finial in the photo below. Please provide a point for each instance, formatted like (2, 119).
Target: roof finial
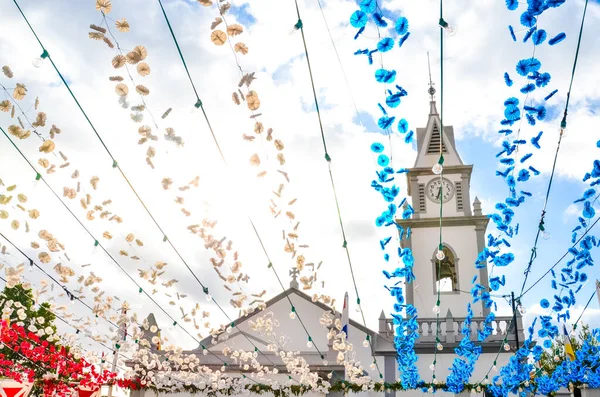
(294, 273)
(431, 90)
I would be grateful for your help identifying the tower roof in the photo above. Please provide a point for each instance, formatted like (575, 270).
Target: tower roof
(431, 140)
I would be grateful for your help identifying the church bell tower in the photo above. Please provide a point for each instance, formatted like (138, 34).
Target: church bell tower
(463, 226)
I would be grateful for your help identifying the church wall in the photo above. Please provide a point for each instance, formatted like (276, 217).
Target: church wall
(462, 240)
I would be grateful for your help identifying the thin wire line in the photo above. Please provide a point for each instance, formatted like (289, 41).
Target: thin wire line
(562, 126)
(225, 162)
(300, 27)
(116, 165)
(340, 63)
(99, 244)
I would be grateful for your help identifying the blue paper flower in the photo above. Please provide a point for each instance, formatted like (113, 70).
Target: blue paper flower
(403, 39)
(507, 79)
(403, 126)
(393, 100)
(377, 147)
(557, 39)
(383, 160)
(385, 122)
(528, 65)
(526, 89)
(512, 32)
(409, 137)
(544, 303)
(368, 6)
(550, 95)
(530, 119)
(379, 21)
(554, 3)
(401, 26)
(543, 79)
(512, 112)
(528, 34)
(588, 210)
(358, 19)
(527, 19)
(385, 44)
(539, 37)
(512, 4)
(385, 76)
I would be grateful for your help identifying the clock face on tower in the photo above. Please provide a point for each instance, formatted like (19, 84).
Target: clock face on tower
(439, 189)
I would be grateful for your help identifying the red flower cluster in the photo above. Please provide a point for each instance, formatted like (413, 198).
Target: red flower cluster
(50, 366)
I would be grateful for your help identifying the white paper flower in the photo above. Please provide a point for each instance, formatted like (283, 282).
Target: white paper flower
(153, 329)
(49, 330)
(41, 320)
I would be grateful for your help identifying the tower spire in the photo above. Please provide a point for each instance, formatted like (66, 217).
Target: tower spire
(431, 90)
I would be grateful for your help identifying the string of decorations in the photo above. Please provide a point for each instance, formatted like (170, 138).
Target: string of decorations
(405, 327)
(97, 243)
(243, 92)
(299, 26)
(293, 312)
(530, 68)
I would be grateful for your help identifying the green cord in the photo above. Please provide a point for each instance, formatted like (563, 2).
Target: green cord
(198, 103)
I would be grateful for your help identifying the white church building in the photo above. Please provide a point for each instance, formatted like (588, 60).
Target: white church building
(464, 227)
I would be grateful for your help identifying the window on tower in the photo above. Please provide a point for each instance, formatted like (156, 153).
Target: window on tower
(446, 279)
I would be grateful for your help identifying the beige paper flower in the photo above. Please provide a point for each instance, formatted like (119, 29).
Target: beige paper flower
(252, 100)
(5, 106)
(258, 127)
(224, 8)
(44, 257)
(255, 160)
(48, 146)
(280, 158)
(142, 90)
(129, 238)
(107, 235)
(108, 42)
(35, 245)
(143, 69)
(218, 37)
(278, 145)
(122, 25)
(205, 3)
(121, 89)
(97, 28)
(34, 214)
(43, 162)
(236, 98)
(241, 48)
(166, 183)
(3, 214)
(94, 182)
(216, 23)
(54, 130)
(95, 35)
(40, 120)
(119, 61)
(115, 78)
(235, 29)
(19, 92)
(139, 242)
(37, 103)
(22, 198)
(104, 6)
(7, 72)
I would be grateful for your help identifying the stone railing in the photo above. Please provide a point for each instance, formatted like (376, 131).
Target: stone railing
(451, 327)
